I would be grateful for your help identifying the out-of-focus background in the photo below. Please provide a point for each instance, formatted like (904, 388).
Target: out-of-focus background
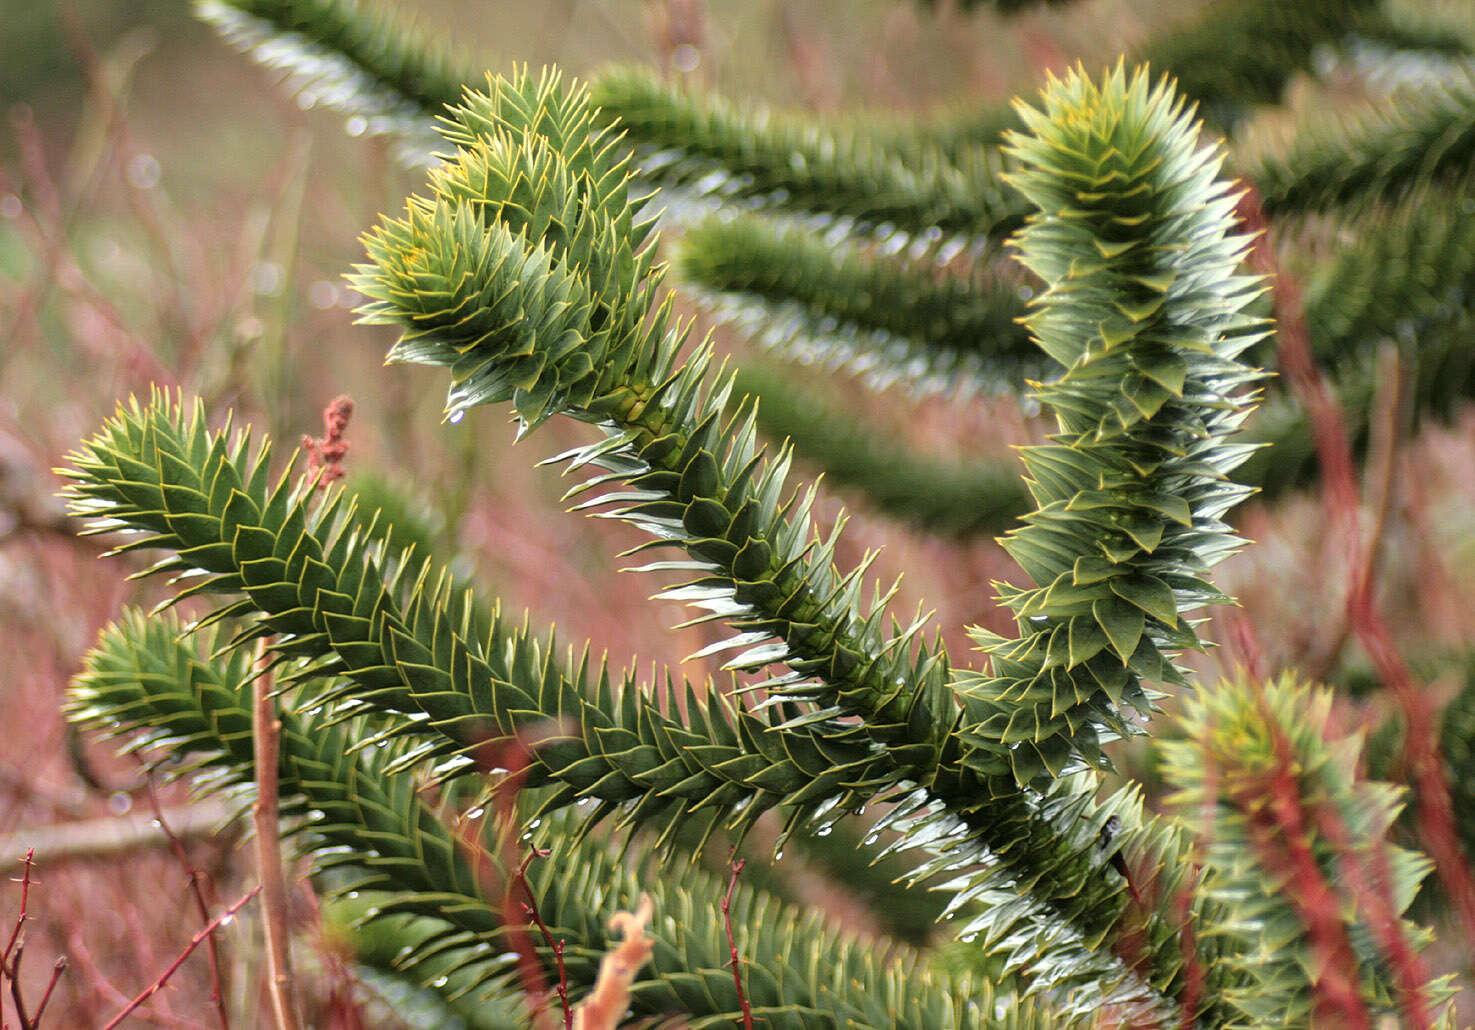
(169, 215)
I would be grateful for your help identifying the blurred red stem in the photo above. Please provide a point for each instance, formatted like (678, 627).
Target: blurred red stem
(25, 894)
(158, 984)
(513, 755)
(192, 877)
(1334, 451)
(737, 980)
(1280, 832)
(530, 907)
(265, 729)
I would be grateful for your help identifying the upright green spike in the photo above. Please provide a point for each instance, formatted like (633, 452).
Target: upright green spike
(1144, 312)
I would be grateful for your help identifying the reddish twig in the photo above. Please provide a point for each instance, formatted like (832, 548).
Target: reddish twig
(57, 969)
(340, 1007)
(737, 980)
(15, 948)
(265, 729)
(12, 973)
(1334, 452)
(1421, 756)
(96, 978)
(163, 978)
(25, 895)
(1279, 830)
(1194, 978)
(1374, 894)
(192, 878)
(530, 909)
(511, 755)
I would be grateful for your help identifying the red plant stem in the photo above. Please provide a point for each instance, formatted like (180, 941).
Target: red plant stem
(1382, 914)
(1421, 756)
(737, 980)
(13, 972)
(15, 948)
(192, 877)
(163, 978)
(530, 907)
(96, 979)
(25, 893)
(1279, 834)
(57, 969)
(266, 816)
(514, 756)
(1193, 967)
(1334, 452)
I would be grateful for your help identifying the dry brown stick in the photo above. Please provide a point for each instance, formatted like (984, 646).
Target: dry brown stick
(93, 838)
(265, 729)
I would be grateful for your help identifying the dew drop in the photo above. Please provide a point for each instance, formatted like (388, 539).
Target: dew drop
(119, 803)
(225, 920)
(143, 171)
(872, 838)
(268, 278)
(778, 856)
(686, 58)
(322, 294)
(456, 417)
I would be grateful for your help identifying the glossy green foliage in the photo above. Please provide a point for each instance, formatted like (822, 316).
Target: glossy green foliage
(1424, 135)
(405, 643)
(1290, 811)
(591, 345)
(821, 300)
(695, 478)
(703, 147)
(527, 269)
(367, 826)
(1145, 312)
(1405, 280)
